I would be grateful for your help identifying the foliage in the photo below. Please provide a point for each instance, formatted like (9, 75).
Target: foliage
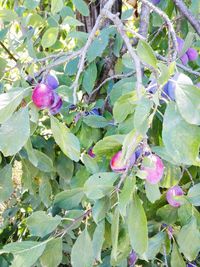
(74, 199)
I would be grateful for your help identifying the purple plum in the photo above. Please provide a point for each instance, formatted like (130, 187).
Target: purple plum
(155, 2)
(52, 81)
(184, 59)
(192, 54)
(94, 111)
(91, 153)
(169, 90)
(154, 173)
(138, 152)
(117, 164)
(43, 96)
(171, 195)
(132, 258)
(57, 104)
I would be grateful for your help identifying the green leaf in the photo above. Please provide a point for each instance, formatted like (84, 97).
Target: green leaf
(168, 214)
(124, 105)
(3, 64)
(90, 164)
(72, 22)
(68, 142)
(126, 194)
(49, 37)
(89, 77)
(124, 86)
(56, 6)
(98, 240)
(39, 159)
(82, 7)
(189, 240)
(141, 115)
(108, 145)
(31, 4)
(95, 121)
(171, 177)
(82, 251)
(155, 245)
(194, 195)
(146, 54)
(152, 192)
(114, 234)
(176, 257)
(128, 61)
(64, 167)
(181, 139)
(101, 206)
(187, 96)
(41, 224)
(45, 192)
(7, 15)
(97, 47)
(52, 255)
(10, 101)
(6, 185)
(100, 184)
(137, 226)
(25, 253)
(69, 199)
(11, 139)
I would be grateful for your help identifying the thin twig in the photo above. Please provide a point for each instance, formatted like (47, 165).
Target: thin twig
(169, 25)
(8, 52)
(90, 39)
(64, 232)
(188, 14)
(117, 76)
(122, 31)
(179, 65)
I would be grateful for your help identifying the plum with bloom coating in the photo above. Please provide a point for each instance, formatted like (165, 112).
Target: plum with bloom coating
(155, 2)
(43, 96)
(91, 153)
(172, 193)
(154, 173)
(132, 258)
(117, 164)
(52, 81)
(57, 104)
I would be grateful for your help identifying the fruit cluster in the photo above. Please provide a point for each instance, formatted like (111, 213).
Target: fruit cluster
(190, 55)
(45, 97)
(152, 166)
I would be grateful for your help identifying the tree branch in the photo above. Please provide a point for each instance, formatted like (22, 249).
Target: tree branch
(8, 52)
(188, 15)
(91, 37)
(122, 31)
(169, 25)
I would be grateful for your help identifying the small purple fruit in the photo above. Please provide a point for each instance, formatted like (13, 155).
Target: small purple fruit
(116, 163)
(57, 104)
(154, 173)
(91, 153)
(132, 258)
(43, 96)
(169, 90)
(180, 44)
(138, 152)
(192, 54)
(184, 59)
(52, 81)
(197, 85)
(172, 193)
(94, 111)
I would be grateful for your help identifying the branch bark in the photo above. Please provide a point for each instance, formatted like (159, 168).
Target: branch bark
(188, 15)
(169, 25)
